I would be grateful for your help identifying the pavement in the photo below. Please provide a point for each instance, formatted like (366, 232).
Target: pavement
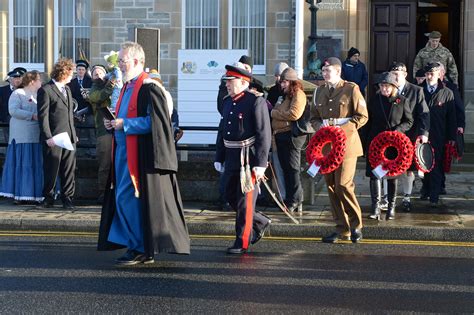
(452, 220)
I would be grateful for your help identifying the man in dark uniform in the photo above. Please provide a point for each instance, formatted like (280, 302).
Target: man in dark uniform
(443, 128)
(340, 103)
(80, 84)
(421, 123)
(244, 148)
(55, 116)
(14, 79)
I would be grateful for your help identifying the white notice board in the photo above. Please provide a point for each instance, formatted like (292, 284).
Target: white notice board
(199, 74)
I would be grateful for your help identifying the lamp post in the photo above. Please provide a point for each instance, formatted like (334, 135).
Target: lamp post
(313, 7)
(313, 71)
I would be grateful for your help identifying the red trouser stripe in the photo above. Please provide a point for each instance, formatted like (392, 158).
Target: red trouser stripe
(248, 216)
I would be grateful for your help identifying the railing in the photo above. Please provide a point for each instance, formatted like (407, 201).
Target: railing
(179, 146)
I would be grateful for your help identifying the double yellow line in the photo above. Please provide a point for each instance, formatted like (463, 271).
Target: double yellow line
(271, 238)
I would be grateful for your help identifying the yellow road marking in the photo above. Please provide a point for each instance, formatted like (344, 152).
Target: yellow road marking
(270, 238)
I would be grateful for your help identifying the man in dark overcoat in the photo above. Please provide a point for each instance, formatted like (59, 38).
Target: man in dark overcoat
(443, 127)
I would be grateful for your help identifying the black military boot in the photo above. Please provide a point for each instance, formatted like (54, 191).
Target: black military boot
(392, 198)
(375, 195)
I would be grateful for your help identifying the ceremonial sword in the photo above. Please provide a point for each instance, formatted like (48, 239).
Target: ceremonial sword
(280, 205)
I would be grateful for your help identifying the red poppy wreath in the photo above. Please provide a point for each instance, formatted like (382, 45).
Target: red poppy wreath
(327, 135)
(397, 140)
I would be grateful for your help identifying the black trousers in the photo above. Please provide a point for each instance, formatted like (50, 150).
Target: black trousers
(433, 181)
(58, 162)
(289, 154)
(247, 220)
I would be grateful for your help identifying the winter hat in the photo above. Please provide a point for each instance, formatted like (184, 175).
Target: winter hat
(279, 68)
(247, 60)
(352, 52)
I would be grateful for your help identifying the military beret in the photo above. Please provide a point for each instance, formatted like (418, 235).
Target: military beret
(82, 63)
(388, 78)
(331, 61)
(237, 71)
(17, 72)
(289, 74)
(420, 73)
(432, 66)
(398, 66)
(435, 34)
(247, 60)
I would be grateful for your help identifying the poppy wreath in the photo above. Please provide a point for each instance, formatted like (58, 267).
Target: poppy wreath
(401, 143)
(327, 135)
(450, 152)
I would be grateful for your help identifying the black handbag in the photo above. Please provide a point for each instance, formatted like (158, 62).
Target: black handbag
(302, 126)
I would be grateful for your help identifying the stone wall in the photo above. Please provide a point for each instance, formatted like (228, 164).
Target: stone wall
(468, 68)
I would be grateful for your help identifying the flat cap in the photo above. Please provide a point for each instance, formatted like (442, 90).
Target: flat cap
(398, 66)
(331, 61)
(289, 74)
(82, 63)
(432, 66)
(420, 73)
(237, 71)
(388, 78)
(435, 34)
(16, 73)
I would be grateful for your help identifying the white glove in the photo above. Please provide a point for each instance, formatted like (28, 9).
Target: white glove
(423, 139)
(259, 171)
(218, 166)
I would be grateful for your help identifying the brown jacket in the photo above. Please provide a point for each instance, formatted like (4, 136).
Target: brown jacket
(345, 101)
(288, 111)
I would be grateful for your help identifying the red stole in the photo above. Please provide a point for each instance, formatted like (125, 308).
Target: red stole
(131, 140)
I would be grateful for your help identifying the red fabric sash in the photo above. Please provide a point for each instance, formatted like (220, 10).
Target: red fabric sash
(131, 140)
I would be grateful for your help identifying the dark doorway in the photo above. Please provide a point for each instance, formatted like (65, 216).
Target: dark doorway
(399, 30)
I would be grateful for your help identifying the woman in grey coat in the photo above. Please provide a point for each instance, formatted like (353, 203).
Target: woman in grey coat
(22, 177)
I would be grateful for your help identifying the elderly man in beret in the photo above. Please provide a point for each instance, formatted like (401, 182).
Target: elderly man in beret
(443, 127)
(340, 103)
(435, 51)
(243, 147)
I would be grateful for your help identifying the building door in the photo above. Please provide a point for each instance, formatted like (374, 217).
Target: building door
(393, 35)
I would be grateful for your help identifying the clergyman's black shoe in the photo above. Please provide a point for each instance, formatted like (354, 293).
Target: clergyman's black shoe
(132, 257)
(236, 250)
(258, 236)
(356, 235)
(334, 237)
(67, 204)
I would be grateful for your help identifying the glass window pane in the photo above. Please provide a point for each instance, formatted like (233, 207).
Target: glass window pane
(257, 45)
(193, 12)
(239, 12)
(82, 12)
(257, 13)
(239, 38)
(20, 12)
(193, 38)
(37, 11)
(82, 43)
(66, 11)
(65, 42)
(209, 38)
(37, 45)
(21, 40)
(209, 13)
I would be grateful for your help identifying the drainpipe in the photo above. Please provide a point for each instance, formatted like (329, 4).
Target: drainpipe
(299, 38)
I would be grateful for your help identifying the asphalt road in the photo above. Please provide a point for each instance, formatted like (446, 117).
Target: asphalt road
(63, 273)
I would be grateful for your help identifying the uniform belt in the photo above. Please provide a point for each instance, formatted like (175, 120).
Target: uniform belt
(239, 144)
(336, 121)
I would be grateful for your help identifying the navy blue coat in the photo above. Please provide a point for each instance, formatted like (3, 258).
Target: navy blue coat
(242, 119)
(356, 73)
(5, 92)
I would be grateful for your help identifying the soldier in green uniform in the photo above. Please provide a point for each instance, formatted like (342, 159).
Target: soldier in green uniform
(435, 51)
(340, 103)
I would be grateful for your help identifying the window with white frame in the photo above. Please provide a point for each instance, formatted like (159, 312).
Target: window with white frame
(247, 29)
(73, 25)
(27, 33)
(201, 24)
